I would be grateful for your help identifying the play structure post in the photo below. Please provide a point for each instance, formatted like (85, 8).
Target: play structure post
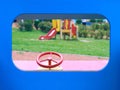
(49, 63)
(61, 35)
(56, 24)
(69, 21)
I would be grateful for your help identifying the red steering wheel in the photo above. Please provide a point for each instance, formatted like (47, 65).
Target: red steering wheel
(49, 57)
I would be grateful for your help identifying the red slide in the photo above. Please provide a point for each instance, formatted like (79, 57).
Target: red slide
(49, 35)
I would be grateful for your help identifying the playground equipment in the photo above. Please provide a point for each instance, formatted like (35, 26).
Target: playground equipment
(49, 35)
(66, 65)
(54, 61)
(65, 27)
(69, 28)
(49, 61)
(56, 23)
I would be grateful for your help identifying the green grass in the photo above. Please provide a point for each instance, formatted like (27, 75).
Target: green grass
(28, 41)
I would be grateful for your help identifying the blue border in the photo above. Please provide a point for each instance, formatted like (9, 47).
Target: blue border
(13, 79)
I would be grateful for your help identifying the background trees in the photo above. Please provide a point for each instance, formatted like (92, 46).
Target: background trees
(92, 28)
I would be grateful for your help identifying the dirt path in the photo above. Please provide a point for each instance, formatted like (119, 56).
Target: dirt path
(20, 55)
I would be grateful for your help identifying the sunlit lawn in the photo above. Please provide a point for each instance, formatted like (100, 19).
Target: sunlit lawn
(28, 41)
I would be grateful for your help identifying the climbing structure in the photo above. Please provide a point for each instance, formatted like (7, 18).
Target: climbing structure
(68, 28)
(65, 27)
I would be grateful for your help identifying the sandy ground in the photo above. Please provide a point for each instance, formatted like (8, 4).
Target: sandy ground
(21, 55)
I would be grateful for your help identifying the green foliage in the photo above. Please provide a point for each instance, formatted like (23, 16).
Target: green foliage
(102, 33)
(96, 30)
(96, 35)
(95, 26)
(36, 24)
(78, 21)
(96, 20)
(107, 34)
(106, 26)
(93, 20)
(80, 33)
(26, 25)
(81, 30)
(99, 20)
(21, 26)
(102, 26)
(91, 33)
(99, 34)
(81, 27)
(45, 26)
(47, 20)
(85, 33)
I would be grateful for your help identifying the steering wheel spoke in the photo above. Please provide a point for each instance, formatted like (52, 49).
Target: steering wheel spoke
(43, 60)
(55, 61)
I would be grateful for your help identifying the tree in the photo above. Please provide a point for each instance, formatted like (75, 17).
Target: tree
(78, 21)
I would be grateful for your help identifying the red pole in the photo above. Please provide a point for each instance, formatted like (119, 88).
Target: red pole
(49, 63)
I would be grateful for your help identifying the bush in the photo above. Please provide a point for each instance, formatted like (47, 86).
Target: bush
(36, 24)
(92, 33)
(107, 34)
(99, 20)
(84, 33)
(96, 36)
(80, 33)
(81, 27)
(78, 21)
(21, 26)
(99, 34)
(45, 26)
(106, 26)
(80, 30)
(95, 26)
(93, 20)
(26, 25)
(102, 33)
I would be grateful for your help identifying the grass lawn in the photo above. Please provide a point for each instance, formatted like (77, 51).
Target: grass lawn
(28, 41)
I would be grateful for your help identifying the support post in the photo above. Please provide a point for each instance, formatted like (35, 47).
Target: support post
(77, 32)
(61, 34)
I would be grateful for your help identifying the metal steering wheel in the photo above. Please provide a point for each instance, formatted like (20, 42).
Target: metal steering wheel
(50, 59)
